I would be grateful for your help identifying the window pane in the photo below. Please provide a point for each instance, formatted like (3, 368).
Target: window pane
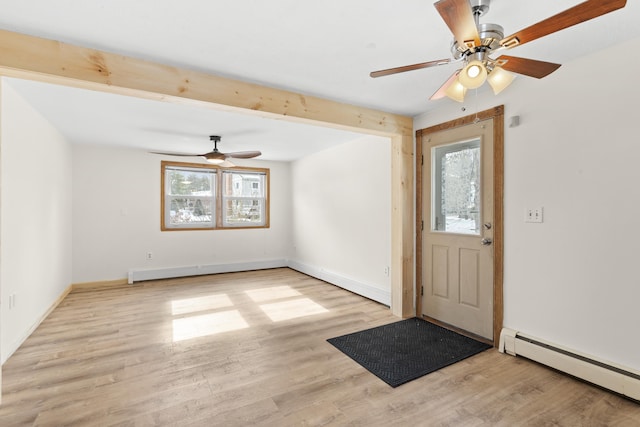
(189, 183)
(243, 184)
(244, 199)
(244, 212)
(190, 212)
(456, 188)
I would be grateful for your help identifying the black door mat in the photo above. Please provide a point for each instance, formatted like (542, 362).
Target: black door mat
(403, 351)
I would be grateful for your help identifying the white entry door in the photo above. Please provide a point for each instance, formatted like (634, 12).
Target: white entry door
(458, 227)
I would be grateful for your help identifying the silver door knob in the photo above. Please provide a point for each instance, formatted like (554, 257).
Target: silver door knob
(486, 242)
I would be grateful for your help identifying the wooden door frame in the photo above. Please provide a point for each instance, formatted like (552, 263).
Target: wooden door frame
(497, 114)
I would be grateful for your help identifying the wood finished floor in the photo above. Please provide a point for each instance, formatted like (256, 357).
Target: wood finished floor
(128, 357)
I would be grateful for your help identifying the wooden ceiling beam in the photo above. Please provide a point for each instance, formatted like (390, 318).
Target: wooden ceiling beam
(35, 58)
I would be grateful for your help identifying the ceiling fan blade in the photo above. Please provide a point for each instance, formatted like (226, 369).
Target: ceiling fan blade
(458, 16)
(583, 12)
(405, 68)
(175, 154)
(527, 67)
(440, 93)
(243, 154)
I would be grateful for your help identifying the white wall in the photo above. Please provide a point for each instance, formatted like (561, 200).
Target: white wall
(116, 213)
(342, 216)
(573, 279)
(36, 217)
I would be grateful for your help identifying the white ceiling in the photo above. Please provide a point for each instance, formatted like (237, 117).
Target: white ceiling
(87, 117)
(324, 48)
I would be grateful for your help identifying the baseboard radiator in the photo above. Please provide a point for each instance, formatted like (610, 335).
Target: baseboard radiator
(139, 275)
(621, 380)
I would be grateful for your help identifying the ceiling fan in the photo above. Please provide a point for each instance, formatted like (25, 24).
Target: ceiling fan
(217, 157)
(474, 43)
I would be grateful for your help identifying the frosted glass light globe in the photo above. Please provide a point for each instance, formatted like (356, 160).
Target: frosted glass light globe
(473, 75)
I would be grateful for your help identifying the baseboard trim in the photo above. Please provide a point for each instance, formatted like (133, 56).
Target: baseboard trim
(103, 284)
(16, 345)
(379, 295)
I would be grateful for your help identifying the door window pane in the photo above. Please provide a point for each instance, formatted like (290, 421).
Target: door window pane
(456, 187)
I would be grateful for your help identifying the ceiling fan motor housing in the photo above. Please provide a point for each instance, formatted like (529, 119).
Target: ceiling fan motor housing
(489, 34)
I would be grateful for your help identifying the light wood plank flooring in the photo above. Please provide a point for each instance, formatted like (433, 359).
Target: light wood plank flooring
(140, 355)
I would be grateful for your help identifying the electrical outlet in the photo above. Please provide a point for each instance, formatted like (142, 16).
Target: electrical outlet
(386, 271)
(149, 256)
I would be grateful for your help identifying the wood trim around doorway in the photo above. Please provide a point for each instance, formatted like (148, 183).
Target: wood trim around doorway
(497, 114)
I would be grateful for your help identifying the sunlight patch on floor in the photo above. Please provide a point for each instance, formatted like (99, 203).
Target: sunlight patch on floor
(208, 302)
(269, 294)
(207, 324)
(292, 309)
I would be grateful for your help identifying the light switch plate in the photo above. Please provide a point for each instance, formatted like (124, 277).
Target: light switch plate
(534, 214)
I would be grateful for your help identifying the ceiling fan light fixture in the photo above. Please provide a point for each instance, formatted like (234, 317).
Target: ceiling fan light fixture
(456, 91)
(215, 161)
(473, 75)
(499, 79)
